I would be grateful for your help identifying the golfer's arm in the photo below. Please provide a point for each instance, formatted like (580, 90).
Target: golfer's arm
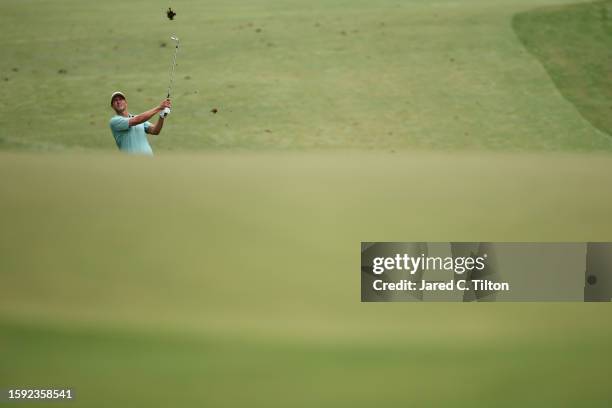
(155, 129)
(144, 116)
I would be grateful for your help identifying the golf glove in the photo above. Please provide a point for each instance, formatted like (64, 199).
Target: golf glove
(164, 113)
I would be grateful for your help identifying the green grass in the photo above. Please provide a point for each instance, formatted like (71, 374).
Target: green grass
(139, 369)
(574, 43)
(319, 75)
(227, 274)
(233, 279)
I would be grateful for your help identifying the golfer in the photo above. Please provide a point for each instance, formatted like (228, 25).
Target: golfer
(129, 130)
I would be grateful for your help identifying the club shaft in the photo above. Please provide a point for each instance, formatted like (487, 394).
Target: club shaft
(172, 71)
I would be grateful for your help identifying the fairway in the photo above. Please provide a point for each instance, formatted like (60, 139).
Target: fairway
(285, 75)
(224, 272)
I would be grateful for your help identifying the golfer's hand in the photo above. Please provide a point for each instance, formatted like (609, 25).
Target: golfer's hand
(165, 104)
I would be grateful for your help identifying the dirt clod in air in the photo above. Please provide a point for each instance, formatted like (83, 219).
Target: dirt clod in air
(170, 13)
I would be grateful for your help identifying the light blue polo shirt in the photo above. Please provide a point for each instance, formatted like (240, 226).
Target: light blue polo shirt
(131, 139)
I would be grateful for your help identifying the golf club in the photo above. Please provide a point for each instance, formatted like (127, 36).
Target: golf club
(174, 38)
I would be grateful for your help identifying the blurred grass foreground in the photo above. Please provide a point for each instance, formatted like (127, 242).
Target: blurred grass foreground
(233, 279)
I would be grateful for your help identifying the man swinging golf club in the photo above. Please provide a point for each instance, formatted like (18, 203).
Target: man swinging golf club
(129, 130)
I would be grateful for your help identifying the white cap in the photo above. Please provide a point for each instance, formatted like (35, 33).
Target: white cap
(115, 94)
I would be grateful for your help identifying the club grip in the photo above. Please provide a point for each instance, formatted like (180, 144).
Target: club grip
(164, 113)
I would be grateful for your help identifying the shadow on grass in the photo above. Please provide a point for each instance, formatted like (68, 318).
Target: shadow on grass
(574, 44)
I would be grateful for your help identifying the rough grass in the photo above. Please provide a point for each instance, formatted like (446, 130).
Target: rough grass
(574, 44)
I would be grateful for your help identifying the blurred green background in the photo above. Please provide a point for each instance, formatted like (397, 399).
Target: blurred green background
(226, 273)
